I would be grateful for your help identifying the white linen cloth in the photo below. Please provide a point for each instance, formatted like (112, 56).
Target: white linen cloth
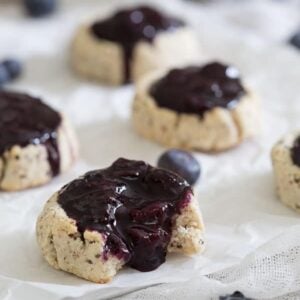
(253, 241)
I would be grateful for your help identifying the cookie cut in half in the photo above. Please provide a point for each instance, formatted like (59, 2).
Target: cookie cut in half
(131, 43)
(286, 165)
(127, 214)
(205, 108)
(36, 142)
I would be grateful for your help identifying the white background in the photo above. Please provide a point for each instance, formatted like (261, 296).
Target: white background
(253, 241)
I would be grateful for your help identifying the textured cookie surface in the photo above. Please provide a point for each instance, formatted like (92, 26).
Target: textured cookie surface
(130, 44)
(287, 171)
(217, 123)
(36, 142)
(128, 214)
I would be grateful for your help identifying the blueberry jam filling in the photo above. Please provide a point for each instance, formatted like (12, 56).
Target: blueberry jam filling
(295, 152)
(26, 120)
(127, 27)
(132, 204)
(195, 90)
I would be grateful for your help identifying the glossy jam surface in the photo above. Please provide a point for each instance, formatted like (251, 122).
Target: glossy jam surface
(295, 152)
(132, 204)
(196, 90)
(26, 120)
(127, 27)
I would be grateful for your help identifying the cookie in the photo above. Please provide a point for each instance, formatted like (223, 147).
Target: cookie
(36, 142)
(129, 214)
(286, 165)
(204, 108)
(131, 43)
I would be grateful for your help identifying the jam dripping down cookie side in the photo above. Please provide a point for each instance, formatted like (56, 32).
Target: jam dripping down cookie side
(127, 27)
(295, 152)
(132, 205)
(195, 90)
(26, 120)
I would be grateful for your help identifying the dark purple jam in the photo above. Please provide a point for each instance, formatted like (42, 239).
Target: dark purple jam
(132, 204)
(295, 152)
(195, 90)
(129, 26)
(26, 120)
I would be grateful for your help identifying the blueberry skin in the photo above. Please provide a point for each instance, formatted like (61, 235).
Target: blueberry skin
(235, 296)
(295, 40)
(182, 163)
(4, 75)
(40, 8)
(13, 67)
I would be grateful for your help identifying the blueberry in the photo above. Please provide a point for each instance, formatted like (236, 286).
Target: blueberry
(13, 67)
(181, 162)
(40, 8)
(4, 74)
(235, 296)
(295, 40)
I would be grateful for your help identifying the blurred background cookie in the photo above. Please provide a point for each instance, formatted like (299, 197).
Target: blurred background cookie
(130, 43)
(205, 108)
(36, 142)
(286, 164)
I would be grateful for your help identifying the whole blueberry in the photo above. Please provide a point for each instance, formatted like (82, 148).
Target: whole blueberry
(295, 40)
(235, 296)
(40, 8)
(181, 162)
(13, 67)
(4, 74)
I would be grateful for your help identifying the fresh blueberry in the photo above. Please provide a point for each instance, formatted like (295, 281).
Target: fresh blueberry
(181, 162)
(4, 74)
(40, 8)
(295, 40)
(13, 67)
(235, 296)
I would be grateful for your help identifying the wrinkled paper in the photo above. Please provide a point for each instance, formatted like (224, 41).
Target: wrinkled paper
(236, 192)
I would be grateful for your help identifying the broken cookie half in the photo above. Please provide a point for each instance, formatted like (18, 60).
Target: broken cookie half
(127, 214)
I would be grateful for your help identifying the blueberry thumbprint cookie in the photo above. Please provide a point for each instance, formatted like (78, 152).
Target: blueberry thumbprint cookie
(36, 142)
(129, 214)
(205, 108)
(130, 43)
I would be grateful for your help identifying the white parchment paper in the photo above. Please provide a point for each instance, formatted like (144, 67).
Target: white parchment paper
(244, 219)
